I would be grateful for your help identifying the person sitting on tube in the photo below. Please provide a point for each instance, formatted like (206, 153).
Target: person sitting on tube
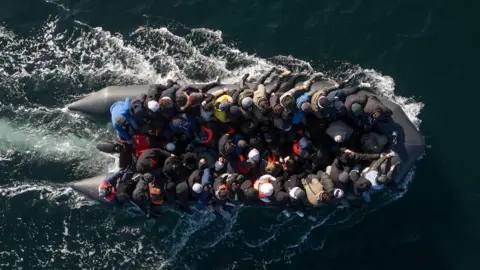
(122, 120)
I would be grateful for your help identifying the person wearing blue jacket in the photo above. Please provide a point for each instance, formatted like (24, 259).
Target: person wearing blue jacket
(204, 195)
(121, 118)
(302, 106)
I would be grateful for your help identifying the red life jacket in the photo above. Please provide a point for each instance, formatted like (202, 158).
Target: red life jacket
(256, 185)
(296, 149)
(140, 144)
(106, 184)
(240, 168)
(156, 196)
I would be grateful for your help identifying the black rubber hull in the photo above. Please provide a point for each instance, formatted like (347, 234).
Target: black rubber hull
(410, 142)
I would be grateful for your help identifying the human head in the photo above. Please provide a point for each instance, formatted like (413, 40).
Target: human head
(189, 160)
(197, 188)
(270, 167)
(264, 106)
(208, 107)
(219, 165)
(229, 148)
(247, 102)
(278, 109)
(242, 144)
(224, 106)
(338, 193)
(357, 109)
(290, 164)
(165, 103)
(267, 137)
(322, 102)
(288, 102)
(306, 107)
(153, 105)
(343, 177)
(171, 147)
(266, 188)
(105, 191)
(326, 197)
(382, 179)
(121, 120)
(303, 143)
(254, 155)
(364, 186)
(221, 192)
(251, 194)
(182, 99)
(148, 178)
(377, 115)
(339, 138)
(234, 112)
(297, 193)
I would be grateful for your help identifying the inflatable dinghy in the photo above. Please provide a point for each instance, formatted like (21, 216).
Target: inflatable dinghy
(410, 143)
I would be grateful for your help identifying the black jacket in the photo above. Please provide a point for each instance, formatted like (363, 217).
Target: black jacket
(150, 159)
(174, 170)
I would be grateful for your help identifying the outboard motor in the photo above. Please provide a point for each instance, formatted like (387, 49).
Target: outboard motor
(109, 147)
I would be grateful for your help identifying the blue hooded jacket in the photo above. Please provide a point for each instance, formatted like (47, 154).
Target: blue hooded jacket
(237, 137)
(187, 125)
(297, 112)
(204, 196)
(121, 108)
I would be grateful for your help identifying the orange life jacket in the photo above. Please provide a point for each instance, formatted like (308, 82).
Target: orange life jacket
(110, 196)
(140, 144)
(256, 185)
(156, 196)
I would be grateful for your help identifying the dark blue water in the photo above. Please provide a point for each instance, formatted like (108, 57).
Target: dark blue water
(421, 54)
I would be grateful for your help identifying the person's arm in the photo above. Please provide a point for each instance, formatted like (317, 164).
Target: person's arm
(265, 76)
(206, 177)
(377, 163)
(191, 88)
(235, 96)
(365, 156)
(208, 98)
(112, 179)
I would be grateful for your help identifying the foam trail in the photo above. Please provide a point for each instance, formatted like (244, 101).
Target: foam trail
(66, 65)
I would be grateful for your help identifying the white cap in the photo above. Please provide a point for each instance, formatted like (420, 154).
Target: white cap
(254, 155)
(197, 188)
(218, 165)
(153, 106)
(266, 189)
(338, 193)
(171, 147)
(302, 143)
(338, 138)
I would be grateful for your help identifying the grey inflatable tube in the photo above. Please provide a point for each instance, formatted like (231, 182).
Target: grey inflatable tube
(410, 143)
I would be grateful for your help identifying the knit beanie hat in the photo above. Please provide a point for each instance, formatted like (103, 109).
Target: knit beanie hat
(197, 188)
(357, 109)
(242, 144)
(254, 155)
(322, 102)
(266, 189)
(297, 193)
(234, 112)
(153, 105)
(247, 102)
(224, 106)
(303, 143)
(148, 177)
(171, 147)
